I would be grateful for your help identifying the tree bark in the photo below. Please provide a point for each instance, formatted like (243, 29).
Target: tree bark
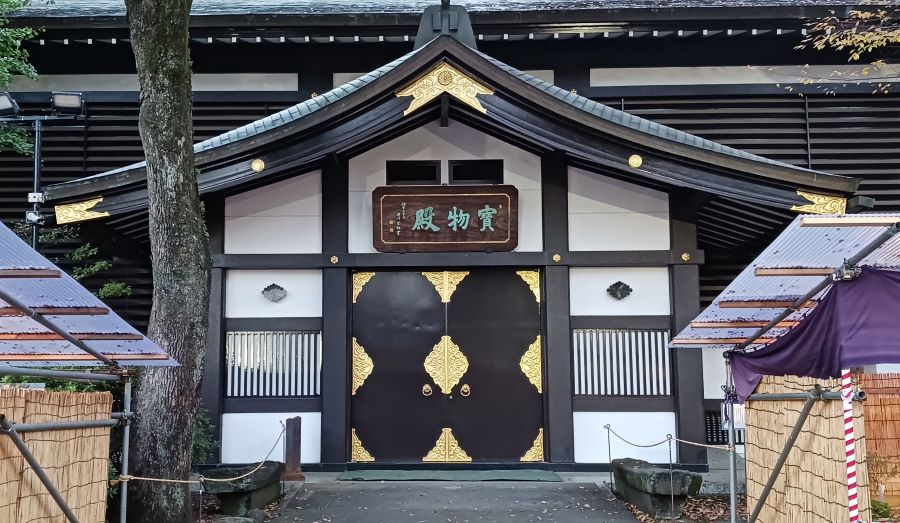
(167, 399)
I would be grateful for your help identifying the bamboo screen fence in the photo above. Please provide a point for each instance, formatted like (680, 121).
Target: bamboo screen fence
(76, 461)
(882, 409)
(812, 486)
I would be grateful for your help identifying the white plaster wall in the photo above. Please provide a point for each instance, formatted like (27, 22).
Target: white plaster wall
(281, 218)
(713, 373)
(886, 368)
(642, 428)
(650, 294)
(248, 437)
(606, 214)
(129, 82)
(455, 142)
(244, 299)
(759, 74)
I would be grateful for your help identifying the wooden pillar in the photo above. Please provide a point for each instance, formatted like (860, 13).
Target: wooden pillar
(557, 337)
(335, 313)
(687, 364)
(212, 392)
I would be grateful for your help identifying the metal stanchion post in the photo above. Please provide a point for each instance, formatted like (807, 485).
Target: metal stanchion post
(126, 443)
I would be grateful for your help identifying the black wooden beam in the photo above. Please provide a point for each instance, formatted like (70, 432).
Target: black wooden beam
(273, 324)
(687, 365)
(213, 387)
(272, 405)
(623, 404)
(335, 314)
(557, 336)
(621, 322)
(461, 259)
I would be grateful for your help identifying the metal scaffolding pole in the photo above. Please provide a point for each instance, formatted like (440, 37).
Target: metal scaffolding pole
(732, 439)
(20, 444)
(126, 446)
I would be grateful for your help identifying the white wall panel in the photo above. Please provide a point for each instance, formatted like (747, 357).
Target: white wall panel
(759, 74)
(455, 142)
(281, 218)
(649, 296)
(713, 373)
(611, 215)
(643, 428)
(244, 299)
(129, 82)
(248, 437)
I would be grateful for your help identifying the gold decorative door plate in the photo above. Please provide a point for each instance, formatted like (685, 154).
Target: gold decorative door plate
(447, 450)
(363, 366)
(446, 364)
(445, 282)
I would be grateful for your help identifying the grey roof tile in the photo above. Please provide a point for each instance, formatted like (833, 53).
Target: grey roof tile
(84, 8)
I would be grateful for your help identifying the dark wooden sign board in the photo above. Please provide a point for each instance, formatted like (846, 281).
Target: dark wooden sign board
(438, 218)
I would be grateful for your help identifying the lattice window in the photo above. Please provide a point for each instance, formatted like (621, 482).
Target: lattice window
(621, 362)
(273, 363)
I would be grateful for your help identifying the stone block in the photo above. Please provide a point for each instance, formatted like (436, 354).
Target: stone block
(652, 488)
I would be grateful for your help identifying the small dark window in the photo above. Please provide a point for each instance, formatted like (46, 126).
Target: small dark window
(413, 172)
(476, 172)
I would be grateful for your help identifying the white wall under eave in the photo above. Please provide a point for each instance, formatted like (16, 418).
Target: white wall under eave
(650, 294)
(280, 218)
(606, 214)
(641, 428)
(244, 298)
(714, 374)
(248, 437)
(454, 142)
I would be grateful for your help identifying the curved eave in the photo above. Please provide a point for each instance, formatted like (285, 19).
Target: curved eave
(229, 150)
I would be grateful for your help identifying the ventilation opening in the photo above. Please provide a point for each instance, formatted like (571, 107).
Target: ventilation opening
(476, 172)
(413, 172)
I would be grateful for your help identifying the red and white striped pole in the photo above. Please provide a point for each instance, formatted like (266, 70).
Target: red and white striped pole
(850, 445)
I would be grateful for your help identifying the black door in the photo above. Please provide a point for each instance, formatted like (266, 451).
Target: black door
(447, 366)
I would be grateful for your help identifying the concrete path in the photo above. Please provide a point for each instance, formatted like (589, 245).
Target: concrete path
(452, 502)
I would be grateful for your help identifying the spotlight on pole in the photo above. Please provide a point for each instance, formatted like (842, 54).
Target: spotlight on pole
(8, 106)
(67, 103)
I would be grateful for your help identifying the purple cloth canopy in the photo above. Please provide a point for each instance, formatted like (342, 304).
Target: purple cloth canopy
(857, 323)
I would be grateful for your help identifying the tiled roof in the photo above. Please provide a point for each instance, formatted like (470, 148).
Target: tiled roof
(615, 116)
(97, 8)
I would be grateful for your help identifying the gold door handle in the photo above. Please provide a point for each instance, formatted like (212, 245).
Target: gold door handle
(426, 390)
(465, 390)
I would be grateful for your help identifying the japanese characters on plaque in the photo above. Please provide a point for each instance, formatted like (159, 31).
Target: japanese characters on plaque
(437, 218)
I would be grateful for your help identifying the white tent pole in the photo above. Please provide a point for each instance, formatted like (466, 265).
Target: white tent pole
(732, 453)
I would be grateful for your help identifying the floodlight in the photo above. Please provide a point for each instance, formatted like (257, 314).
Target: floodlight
(67, 103)
(8, 106)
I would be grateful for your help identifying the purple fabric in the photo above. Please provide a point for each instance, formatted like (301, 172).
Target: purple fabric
(856, 324)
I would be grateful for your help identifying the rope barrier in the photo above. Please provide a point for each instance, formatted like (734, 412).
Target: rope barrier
(668, 439)
(202, 479)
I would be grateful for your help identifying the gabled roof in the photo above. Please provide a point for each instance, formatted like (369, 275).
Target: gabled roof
(29, 279)
(593, 134)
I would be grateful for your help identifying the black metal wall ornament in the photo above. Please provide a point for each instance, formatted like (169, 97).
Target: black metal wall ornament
(274, 292)
(619, 290)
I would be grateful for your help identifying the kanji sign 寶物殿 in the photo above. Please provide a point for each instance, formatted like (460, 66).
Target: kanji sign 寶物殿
(445, 218)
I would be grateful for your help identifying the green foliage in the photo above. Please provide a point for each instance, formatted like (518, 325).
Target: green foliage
(62, 385)
(880, 509)
(14, 61)
(868, 34)
(204, 443)
(89, 269)
(114, 289)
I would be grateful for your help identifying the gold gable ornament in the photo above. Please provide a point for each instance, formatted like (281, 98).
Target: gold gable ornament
(821, 204)
(444, 78)
(79, 211)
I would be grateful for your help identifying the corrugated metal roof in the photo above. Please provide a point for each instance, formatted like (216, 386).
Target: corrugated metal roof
(798, 247)
(55, 293)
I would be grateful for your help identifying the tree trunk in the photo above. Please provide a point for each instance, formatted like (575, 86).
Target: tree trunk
(167, 399)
